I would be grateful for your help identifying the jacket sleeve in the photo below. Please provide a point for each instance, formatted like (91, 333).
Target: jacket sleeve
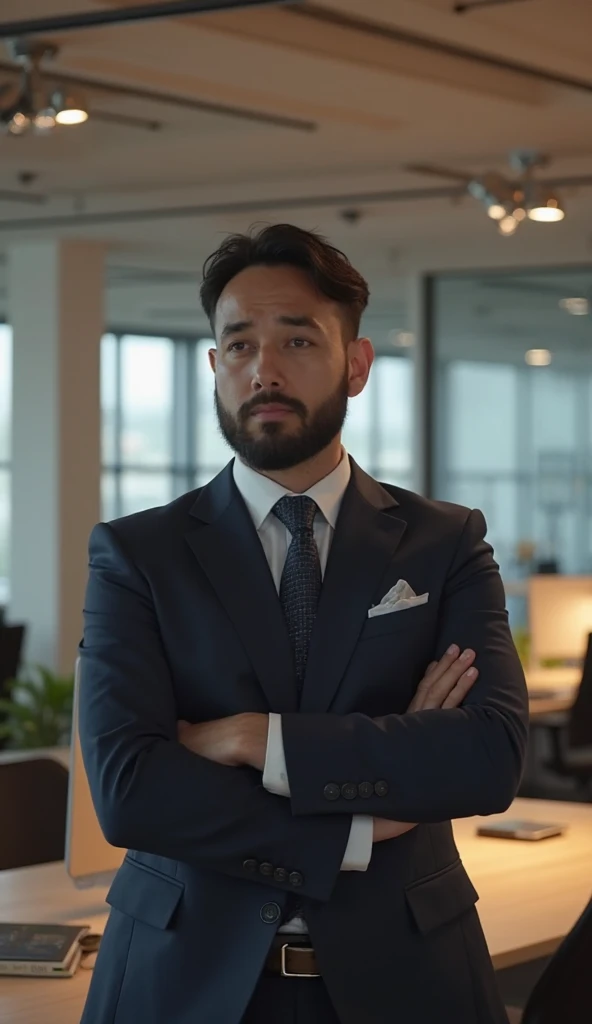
(433, 765)
(151, 793)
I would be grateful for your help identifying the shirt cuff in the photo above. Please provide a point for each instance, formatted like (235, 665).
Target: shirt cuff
(275, 772)
(359, 848)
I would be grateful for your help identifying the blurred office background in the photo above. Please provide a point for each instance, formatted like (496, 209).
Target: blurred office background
(452, 166)
(445, 148)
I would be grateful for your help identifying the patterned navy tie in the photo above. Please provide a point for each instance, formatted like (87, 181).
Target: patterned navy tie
(300, 585)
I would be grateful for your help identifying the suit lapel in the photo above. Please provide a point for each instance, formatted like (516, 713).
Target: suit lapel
(230, 553)
(366, 538)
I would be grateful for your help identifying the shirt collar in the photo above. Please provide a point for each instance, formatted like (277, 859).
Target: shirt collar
(260, 493)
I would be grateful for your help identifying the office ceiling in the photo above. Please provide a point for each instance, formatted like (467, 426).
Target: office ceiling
(319, 100)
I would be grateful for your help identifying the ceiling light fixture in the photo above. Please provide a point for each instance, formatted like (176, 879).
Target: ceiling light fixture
(508, 200)
(402, 339)
(69, 109)
(538, 357)
(544, 206)
(575, 306)
(29, 105)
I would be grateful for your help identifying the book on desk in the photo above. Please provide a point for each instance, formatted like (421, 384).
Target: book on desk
(40, 950)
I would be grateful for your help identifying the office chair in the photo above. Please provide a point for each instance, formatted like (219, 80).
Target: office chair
(33, 802)
(571, 732)
(563, 994)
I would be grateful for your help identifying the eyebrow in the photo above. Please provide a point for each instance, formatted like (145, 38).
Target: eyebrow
(291, 321)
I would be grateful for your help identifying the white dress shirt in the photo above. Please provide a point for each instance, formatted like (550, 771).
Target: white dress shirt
(260, 494)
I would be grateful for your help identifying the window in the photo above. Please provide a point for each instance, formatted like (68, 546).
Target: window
(5, 429)
(159, 431)
(512, 438)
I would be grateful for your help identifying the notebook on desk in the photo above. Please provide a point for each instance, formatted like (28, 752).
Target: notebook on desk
(40, 950)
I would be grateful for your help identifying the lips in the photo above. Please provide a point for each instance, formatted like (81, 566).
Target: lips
(268, 409)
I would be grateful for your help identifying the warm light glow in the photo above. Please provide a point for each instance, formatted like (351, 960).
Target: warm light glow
(45, 119)
(508, 225)
(496, 211)
(575, 306)
(519, 214)
(19, 123)
(71, 116)
(549, 213)
(538, 357)
(402, 339)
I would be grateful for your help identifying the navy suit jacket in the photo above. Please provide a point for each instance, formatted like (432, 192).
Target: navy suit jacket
(182, 620)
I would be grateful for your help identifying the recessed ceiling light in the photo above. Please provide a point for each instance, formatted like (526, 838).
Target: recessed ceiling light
(575, 306)
(402, 339)
(538, 357)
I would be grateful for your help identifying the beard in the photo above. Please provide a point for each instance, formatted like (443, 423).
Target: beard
(274, 448)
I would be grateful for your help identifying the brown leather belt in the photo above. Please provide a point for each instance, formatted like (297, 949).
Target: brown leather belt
(291, 960)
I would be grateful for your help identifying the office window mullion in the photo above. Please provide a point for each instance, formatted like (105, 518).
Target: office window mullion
(118, 426)
(191, 417)
(180, 415)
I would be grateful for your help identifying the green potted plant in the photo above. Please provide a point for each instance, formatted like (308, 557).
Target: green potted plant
(38, 711)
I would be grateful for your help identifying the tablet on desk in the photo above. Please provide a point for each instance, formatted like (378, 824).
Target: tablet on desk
(520, 829)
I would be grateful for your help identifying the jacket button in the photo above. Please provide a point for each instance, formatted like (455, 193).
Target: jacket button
(381, 788)
(250, 865)
(349, 791)
(365, 790)
(331, 791)
(280, 875)
(270, 913)
(266, 869)
(296, 879)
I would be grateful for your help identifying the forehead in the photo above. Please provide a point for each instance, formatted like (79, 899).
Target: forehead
(261, 291)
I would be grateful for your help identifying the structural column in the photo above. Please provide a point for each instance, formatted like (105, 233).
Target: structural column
(55, 307)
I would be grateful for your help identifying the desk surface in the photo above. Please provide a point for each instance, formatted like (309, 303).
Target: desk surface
(530, 896)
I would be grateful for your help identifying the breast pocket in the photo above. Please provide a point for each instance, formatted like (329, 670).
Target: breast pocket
(423, 615)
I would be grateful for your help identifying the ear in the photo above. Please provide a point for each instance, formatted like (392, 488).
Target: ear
(360, 357)
(212, 356)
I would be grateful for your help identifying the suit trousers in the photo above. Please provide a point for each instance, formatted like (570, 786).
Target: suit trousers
(278, 1000)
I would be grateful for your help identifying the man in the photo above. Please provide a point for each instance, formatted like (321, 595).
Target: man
(280, 713)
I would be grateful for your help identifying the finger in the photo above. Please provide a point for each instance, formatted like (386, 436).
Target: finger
(458, 694)
(441, 687)
(444, 676)
(446, 660)
(436, 669)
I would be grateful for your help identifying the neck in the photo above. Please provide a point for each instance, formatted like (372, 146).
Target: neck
(305, 475)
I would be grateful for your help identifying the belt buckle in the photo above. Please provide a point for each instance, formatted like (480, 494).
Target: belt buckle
(292, 974)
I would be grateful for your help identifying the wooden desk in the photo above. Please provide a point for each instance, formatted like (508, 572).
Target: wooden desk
(555, 689)
(531, 895)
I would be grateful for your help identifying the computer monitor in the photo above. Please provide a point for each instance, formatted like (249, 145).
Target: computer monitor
(90, 859)
(560, 617)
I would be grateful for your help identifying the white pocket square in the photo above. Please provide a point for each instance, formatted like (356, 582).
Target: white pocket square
(399, 598)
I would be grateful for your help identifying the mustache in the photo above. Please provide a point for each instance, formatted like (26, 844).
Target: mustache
(273, 399)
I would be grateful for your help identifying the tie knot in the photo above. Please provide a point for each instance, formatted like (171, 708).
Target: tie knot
(296, 513)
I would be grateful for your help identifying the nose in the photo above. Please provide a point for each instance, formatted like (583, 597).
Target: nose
(267, 374)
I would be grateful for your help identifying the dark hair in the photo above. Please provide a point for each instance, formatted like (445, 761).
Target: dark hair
(287, 245)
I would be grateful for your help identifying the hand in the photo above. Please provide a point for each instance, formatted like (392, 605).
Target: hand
(233, 741)
(446, 682)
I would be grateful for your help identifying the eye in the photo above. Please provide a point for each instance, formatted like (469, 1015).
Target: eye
(300, 342)
(232, 347)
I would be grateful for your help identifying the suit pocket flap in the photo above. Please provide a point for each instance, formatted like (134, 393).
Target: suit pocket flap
(145, 894)
(440, 898)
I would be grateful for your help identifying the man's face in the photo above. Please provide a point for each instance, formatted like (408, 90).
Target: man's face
(283, 371)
